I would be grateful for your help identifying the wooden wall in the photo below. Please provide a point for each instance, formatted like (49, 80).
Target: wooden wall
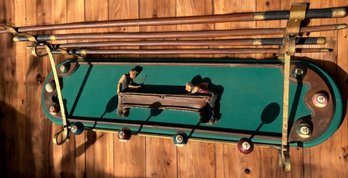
(26, 148)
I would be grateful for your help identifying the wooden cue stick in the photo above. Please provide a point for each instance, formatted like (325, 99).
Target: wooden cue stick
(208, 42)
(185, 51)
(233, 17)
(190, 34)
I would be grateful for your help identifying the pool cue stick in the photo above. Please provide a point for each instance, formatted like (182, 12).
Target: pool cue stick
(232, 17)
(176, 34)
(84, 52)
(208, 42)
(142, 83)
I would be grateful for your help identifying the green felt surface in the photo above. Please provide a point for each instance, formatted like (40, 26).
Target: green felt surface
(251, 101)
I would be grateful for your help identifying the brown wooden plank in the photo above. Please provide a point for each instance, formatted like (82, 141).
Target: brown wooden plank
(155, 9)
(22, 147)
(67, 157)
(129, 158)
(124, 10)
(330, 158)
(196, 160)
(160, 154)
(262, 162)
(226, 6)
(37, 12)
(269, 158)
(160, 158)
(191, 8)
(61, 154)
(26, 137)
(229, 161)
(99, 155)
(8, 91)
(77, 151)
(238, 165)
(268, 5)
(313, 4)
(191, 162)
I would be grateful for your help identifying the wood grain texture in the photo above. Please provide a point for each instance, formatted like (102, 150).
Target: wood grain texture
(187, 165)
(131, 164)
(26, 135)
(156, 9)
(100, 154)
(40, 12)
(75, 12)
(268, 5)
(190, 166)
(226, 6)
(8, 89)
(129, 158)
(192, 8)
(160, 154)
(22, 147)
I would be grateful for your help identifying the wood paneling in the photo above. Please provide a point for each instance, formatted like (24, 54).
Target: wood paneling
(160, 154)
(26, 148)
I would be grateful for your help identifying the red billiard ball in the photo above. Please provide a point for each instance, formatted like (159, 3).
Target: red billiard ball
(245, 146)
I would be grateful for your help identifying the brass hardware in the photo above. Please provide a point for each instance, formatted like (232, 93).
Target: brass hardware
(339, 12)
(15, 39)
(288, 49)
(321, 40)
(257, 42)
(53, 38)
(341, 26)
(259, 16)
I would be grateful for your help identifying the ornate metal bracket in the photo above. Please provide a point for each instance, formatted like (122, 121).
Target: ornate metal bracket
(297, 14)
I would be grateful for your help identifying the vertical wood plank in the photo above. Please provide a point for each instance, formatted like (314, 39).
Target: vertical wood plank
(239, 165)
(28, 150)
(229, 161)
(330, 157)
(99, 155)
(161, 158)
(269, 159)
(38, 12)
(312, 22)
(120, 9)
(268, 5)
(191, 162)
(342, 80)
(129, 158)
(196, 160)
(156, 9)
(193, 8)
(61, 153)
(237, 6)
(8, 91)
(76, 13)
(67, 159)
(20, 124)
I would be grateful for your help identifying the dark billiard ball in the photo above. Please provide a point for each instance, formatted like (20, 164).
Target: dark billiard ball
(54, 109)
(124, 135)
(180, 139)
(77, 128)
(245, 146)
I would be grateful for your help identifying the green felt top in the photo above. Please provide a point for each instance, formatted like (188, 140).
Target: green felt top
(251, 98)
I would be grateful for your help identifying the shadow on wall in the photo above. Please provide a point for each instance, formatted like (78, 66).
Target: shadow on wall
(17, 158)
